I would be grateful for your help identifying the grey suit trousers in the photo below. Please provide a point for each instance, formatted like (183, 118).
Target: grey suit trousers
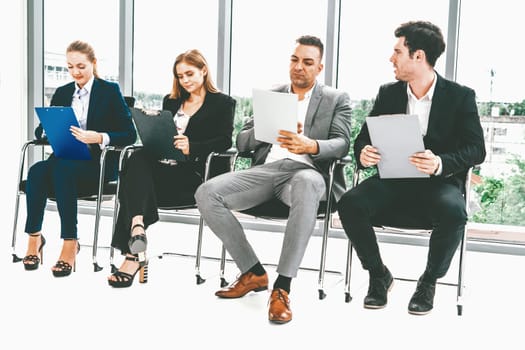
(298, 185)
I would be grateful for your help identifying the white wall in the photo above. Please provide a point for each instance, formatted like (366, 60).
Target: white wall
(13, 94)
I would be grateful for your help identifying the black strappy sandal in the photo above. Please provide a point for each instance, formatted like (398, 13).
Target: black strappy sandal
(123, 279)
(138, 244)
(65, 268)
(31, 262)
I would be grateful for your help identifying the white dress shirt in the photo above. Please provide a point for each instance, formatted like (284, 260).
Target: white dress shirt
(421, 108)
(80, 105)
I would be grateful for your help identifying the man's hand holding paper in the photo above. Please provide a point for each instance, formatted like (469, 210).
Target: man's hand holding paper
(426, 162)
(296, 142)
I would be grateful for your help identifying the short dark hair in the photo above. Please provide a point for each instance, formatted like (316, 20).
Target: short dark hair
(422, 35)
(311, 41)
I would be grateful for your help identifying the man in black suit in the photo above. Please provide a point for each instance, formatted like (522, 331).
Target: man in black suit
(454, 141)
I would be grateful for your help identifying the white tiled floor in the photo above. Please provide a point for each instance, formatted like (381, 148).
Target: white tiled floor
(171, 311)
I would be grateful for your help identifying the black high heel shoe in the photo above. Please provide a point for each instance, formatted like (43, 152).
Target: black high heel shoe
(123, 279)
(31, 262)
(138, 244)
(64, 267)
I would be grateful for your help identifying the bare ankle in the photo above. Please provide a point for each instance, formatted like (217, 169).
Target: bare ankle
(138, 229)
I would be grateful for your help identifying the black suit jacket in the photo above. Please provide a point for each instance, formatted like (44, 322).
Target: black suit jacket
(209, 129)
(107, 112)
(454, 129)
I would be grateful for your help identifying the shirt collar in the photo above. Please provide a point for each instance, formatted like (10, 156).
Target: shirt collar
(430, 93)
(307, 95)
(88, 86)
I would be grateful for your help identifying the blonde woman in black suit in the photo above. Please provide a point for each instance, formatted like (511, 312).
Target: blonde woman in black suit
(104, 119)
(148, 183)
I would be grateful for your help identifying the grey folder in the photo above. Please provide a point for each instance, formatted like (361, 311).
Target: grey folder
(56, 122)
(396, 137)
(156, 131)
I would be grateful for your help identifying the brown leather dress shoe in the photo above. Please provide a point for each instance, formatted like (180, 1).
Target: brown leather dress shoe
(246, 283)
(279, 311)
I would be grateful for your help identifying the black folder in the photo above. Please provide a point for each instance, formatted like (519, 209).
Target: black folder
(156, 130)
(56, 122)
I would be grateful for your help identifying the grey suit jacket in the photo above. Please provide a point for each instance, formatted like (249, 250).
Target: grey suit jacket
(327, 121)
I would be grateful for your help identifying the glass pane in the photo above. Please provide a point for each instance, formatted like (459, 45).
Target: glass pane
(95, 22)
(162, 30)
(366, 44)
(263, 39)
(490, 60)
(367, 40)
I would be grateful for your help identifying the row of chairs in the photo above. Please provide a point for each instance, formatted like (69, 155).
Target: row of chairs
(271, 210)
(108, 190)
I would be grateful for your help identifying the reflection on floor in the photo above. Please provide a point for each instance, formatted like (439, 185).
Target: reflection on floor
(170, 311)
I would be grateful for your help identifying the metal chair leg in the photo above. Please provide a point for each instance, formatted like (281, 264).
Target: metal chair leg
(224, 283)
(96, 266)
(348, 297)
(461, 286)
(15, 224)
(23, 152)
(326, 225)
(198, 276)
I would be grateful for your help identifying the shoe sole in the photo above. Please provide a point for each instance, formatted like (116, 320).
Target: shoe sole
(377, 307)
(419, 313)
(31, 267)
(279, 321)
(259, 289)
(374, 307)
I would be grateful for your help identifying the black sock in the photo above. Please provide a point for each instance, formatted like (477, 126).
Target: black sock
(283, 282)
(257, 269)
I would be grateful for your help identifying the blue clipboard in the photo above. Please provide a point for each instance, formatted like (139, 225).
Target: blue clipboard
(56, 122)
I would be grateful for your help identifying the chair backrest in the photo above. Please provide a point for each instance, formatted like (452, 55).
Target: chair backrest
(130, 101)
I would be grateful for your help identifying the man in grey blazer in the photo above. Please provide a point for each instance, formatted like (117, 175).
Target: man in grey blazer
(295, 173)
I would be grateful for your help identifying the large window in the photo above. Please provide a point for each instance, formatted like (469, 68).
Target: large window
(162, 30)
(263, 37)
(367, 40)
(366, 44)
(490, 60)
(65, 21)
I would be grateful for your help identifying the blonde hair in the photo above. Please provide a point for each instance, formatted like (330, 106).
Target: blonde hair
(86, 49)
(194, 58)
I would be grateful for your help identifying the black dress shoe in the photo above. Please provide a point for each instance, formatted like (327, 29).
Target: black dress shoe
(422, 301)
(378, 289)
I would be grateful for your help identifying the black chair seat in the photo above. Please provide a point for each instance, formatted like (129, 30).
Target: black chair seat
(84, 192)
(403, 221)
(276, 209)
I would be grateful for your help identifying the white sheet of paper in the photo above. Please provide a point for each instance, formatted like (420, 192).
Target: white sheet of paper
(396, 137)
(273, 111)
